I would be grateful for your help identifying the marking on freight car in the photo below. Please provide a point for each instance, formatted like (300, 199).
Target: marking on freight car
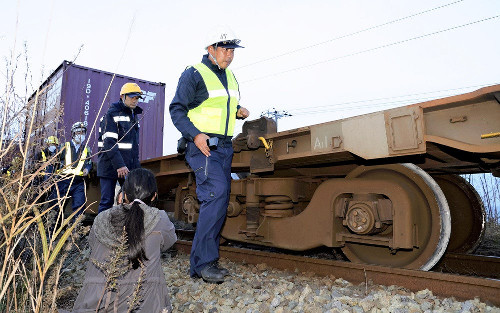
(88, 90)
(320, 144)
(148, 96)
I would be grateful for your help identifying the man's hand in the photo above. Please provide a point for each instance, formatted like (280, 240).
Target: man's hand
(122, 172)
(85, 172)
(200, 141)
(242, 113)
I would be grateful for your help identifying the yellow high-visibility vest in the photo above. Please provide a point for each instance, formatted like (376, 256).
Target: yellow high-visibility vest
(212, 115)
(44, 159)
(67, 169)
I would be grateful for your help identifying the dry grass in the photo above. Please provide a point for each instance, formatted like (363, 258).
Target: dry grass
(490, 245)
(35, 235)
(31, 252)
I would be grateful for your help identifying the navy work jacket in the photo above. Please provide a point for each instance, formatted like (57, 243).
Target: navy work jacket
(118, 140)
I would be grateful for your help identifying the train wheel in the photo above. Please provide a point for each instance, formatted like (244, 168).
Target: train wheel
(467, 213)
(430, 214)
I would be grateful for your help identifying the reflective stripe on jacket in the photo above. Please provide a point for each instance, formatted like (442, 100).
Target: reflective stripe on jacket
(118, 140)
(217, 114)
(44, 159)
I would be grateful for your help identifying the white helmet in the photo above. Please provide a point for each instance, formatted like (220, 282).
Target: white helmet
(78, 126)
(223, 36)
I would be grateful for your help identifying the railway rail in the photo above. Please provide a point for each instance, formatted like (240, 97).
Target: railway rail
(469, 265)
(452, 263)
(441, 284)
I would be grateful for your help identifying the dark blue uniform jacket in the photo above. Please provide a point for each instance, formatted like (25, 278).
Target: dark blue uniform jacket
(118, 140)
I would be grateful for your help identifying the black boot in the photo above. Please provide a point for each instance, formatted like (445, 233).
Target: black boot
(223, 270)
(212, 274)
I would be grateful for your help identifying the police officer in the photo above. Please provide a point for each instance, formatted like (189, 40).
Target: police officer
(75, 165)
(118, 143)
(204, 110)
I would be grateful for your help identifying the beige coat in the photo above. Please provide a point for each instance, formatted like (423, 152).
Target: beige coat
(155, 294)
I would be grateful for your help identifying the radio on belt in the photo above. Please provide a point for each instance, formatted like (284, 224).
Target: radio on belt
(212, 143)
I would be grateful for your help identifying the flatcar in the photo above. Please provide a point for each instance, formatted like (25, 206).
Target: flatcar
(383, 187)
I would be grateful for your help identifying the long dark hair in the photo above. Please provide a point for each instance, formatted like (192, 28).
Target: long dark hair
(139, 184)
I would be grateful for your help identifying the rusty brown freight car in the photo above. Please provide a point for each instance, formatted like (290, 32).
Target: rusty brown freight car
(384, 187)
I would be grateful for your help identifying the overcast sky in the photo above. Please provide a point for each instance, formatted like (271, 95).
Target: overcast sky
(319, 60)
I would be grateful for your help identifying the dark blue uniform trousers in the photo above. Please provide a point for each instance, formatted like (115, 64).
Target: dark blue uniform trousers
(213, 185)
(76, 192)
(108, 187)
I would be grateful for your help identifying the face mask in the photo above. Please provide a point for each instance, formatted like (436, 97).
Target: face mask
(79, 139)
(52, 149)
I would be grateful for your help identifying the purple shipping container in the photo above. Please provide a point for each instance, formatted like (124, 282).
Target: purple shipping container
(85, 94)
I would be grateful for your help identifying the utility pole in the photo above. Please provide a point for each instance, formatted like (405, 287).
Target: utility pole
(275, 114)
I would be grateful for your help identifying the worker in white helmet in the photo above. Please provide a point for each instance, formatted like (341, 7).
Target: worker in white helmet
(76, 164)
(204, 110)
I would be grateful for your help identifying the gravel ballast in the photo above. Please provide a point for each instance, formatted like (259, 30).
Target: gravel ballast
(260, 288)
